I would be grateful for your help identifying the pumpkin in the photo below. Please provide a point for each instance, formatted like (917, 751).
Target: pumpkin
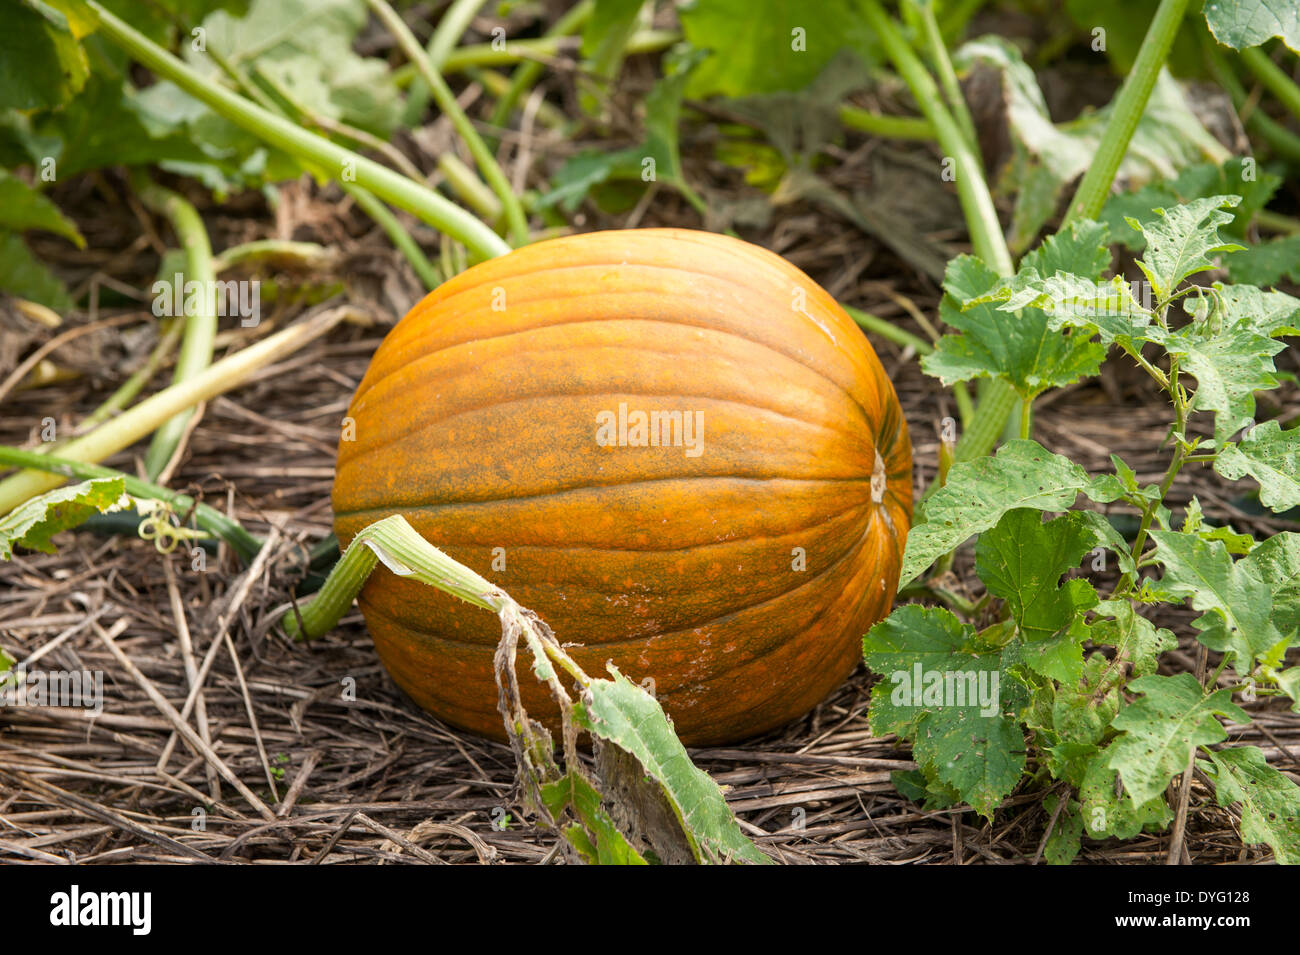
(672, 445)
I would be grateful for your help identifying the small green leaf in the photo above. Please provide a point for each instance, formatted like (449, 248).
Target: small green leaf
(1270, 802)
(1064, 842)
(33, 524)
(1272, 457)
(1229, 369)
(1134, 637)
(1182, 239)
(1160, 732)
(1267, 313)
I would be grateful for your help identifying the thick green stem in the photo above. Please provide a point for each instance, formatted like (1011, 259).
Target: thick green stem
(200, 326)
(486, 54)
(888, 330)
(528, 73)
(469, 187)
(998, 401)
(977, 203)
(1273, 77)
(938, 52)
(889, 127)
(404, 552)
(400, 238)
(144, 418)
(210, 519)
(452, 25)
(446, 100)
(1130, 104)
(333, 160)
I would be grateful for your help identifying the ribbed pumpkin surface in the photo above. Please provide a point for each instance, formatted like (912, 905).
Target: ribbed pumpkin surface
(478, 421)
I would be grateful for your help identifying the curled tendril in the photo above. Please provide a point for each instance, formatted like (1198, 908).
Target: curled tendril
(162, 526)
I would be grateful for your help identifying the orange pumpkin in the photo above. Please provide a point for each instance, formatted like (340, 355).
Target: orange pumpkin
(673, 445)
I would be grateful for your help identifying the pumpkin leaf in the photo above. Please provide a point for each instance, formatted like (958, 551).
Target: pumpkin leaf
(1159, 732)
(42, 63)
(1021, 560)
(23, 208)
(1181, 241)
(1246, 23)
(622, 713)
(763, 46)
(951, 697)
(1022, 474)
(1272, 457)
(1104, 810)
(34, 523)
(1229, 369)
(1270, 802)
(1065, 839)
(1237, 601)
(1019, 346)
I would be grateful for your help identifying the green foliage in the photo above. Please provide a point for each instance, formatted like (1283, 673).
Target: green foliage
(1181, 241)
(42, 64)
(1018, 346)
(946, 690)
(977, 494)
(1272, 457)
(1086, 702)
